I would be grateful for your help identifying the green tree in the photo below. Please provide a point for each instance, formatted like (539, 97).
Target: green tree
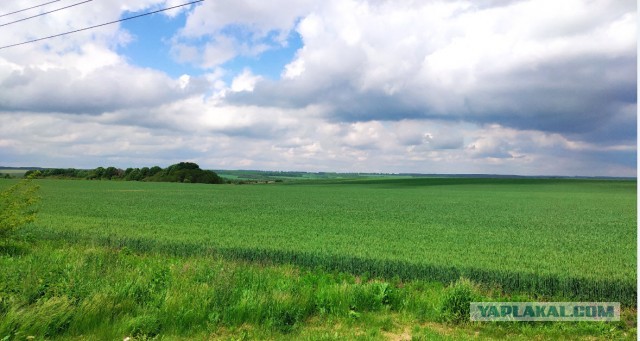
(18, 206)
(144, 172)
(186, 172)
(96, 173)
(154, 170)
(134, 175)
(109, 173)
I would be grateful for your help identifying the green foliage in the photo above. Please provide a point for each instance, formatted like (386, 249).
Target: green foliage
(17, 206)
(83, 291)
(187, 172)
(180, 172)
(63, 173)
(182, 166)
(456, 300)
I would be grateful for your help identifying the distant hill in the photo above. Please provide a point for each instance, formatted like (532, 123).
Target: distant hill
(258, 175)
(20, 168)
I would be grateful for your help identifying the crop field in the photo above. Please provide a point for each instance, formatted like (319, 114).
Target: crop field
(332, 259)
(550, 237)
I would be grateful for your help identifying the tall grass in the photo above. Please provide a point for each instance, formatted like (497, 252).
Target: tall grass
(61, 290)
(73, 290)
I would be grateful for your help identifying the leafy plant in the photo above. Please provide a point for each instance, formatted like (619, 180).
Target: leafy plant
(456, 301)
(18, 206)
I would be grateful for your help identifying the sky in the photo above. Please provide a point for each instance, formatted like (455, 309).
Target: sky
(524, 87)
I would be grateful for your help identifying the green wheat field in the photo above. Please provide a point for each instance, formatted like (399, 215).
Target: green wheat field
(316, 259)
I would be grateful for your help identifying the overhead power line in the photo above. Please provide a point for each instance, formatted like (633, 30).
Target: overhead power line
(45, 13)
(26, 9)
(100, 25)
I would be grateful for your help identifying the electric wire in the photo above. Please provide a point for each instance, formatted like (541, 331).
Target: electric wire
(45, 13)
(26, 9)
(100, 25)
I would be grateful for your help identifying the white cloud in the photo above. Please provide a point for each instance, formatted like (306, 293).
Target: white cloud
(395, 86)
(218, 51)
(245, 81)
(80, 73)
(174, 12)
(258, 17)
(70, 90)
(516, 65)
(237, 28)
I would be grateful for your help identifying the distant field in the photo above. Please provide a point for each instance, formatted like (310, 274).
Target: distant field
(254, 175)
(13, 172)
(574, 238)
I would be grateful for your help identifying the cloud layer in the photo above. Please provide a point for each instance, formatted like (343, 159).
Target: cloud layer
(508, 87)
(514, 65)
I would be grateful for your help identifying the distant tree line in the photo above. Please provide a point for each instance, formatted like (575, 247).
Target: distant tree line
(180, 172)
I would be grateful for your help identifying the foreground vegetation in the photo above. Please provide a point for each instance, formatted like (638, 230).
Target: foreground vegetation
(370, 259)
(84, 291)
(17, 207)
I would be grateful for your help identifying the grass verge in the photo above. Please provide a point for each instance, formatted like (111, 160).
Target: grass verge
(60, 290)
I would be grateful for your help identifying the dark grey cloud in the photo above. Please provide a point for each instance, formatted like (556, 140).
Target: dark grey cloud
(572, 73)
(584, 97)
(577, 98)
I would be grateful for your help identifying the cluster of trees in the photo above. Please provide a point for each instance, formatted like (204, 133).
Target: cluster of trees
(180, 172)
(185, 172)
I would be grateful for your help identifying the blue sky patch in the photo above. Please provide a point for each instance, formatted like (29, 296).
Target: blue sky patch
(151, 48)
(151, 45)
